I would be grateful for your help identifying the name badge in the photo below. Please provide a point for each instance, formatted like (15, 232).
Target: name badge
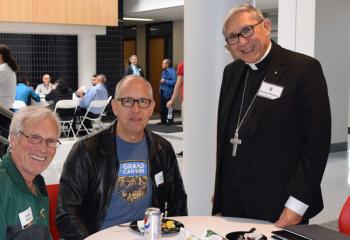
(26, 218)
(270, 91)
(159, 178)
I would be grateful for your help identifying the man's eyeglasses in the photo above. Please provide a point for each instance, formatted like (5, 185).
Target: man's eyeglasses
(246, 32)
(36, 140)
(129, 102)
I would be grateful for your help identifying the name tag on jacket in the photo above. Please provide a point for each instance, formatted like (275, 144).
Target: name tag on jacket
(270, 91)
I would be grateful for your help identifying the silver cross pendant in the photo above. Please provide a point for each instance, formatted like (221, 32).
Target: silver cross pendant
(235, 141)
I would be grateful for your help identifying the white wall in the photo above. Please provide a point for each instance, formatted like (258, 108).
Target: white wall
(332, 48)
(205, 59)
(318, 28)
(178, 41)
(141, 46)
(178, 49)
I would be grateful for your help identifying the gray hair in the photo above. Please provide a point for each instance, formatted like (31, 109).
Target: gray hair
(256, 13)
(31, 113)
(134, 76)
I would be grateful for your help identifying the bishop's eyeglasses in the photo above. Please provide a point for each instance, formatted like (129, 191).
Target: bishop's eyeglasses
(36, 140)
(247, 32)
(129, 102)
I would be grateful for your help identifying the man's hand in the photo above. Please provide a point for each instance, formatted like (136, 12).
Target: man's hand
(162, 80)
(288, 218)
(170, 103)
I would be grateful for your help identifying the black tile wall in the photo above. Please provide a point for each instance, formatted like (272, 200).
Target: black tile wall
(39, 54)
(109, 53)
(109, 56)
(58, 55)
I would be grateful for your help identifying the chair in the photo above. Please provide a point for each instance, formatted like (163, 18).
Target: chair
(344, 218)
(65, 110)
(17, 104)
(52, 192)
(96, 121)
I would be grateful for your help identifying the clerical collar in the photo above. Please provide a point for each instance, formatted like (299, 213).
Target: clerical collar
(254, 66)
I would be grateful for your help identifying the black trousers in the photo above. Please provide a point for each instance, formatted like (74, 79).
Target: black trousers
(81, 112)
(163, 111)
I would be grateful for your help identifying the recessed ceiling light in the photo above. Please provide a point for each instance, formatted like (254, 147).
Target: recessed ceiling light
(138, 19)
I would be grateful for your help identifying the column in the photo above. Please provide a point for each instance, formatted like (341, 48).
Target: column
(318, 29)
(205, 58)
(86, 58)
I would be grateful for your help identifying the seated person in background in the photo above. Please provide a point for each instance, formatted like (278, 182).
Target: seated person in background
(61, 92)
(97, 92)
(81, 91)
(24, 92)
(24, 204)
(113, 176)
(45, 87)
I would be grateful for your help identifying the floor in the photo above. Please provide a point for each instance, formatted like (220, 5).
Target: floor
(335, 183)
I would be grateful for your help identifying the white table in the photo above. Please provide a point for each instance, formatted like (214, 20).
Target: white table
(195, 224)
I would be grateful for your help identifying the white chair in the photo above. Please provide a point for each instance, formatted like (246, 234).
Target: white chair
(17, 104)
(95, 121)
(66, 108)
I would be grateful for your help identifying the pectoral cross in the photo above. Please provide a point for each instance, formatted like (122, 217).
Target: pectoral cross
(235, 141)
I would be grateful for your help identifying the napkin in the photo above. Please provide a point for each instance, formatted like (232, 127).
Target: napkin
(211, 235)
(186, 235)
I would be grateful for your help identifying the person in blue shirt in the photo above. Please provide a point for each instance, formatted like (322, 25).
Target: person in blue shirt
(166, 89)
(25, 93)
(97, 92)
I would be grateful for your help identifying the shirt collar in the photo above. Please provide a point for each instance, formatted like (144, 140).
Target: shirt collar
(16, 176)
(254, 66)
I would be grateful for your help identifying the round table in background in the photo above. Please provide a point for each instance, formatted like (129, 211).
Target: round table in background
(195, 224)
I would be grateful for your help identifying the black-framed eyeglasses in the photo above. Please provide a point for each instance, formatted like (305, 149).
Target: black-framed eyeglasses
(36, 140)
(233, 39)
(129, 102)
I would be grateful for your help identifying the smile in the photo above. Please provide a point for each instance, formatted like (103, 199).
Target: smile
(38, 158)
(249, 50)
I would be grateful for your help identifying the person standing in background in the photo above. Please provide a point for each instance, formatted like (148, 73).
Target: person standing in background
(273, 127)
(178, 89)
(166, 89)
(8, 67)
(133, 67)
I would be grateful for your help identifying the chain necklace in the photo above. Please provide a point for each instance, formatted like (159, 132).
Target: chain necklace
(236, 140)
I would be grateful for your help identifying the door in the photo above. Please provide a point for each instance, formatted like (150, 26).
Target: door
(155, 58)
(129, 49)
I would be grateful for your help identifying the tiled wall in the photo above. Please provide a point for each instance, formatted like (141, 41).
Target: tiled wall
(109, 56)
(58, 55)
(39, 54)
(109, 53)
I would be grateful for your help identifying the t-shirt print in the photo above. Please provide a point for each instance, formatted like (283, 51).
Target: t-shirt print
(132, 180)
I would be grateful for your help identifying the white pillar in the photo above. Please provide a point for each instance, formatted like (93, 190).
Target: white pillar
(205, 58)
(296, 25)
(317, 28)
(86, 58)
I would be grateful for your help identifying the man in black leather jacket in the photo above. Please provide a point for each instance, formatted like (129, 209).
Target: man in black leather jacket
(93, 180)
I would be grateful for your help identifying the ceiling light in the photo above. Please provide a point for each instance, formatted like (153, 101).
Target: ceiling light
(138, 19)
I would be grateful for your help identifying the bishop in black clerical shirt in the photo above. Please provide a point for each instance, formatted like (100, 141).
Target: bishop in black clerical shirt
(274, 109)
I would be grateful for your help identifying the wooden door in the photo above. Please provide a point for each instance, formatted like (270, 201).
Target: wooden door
(155, 58)
(129, 49)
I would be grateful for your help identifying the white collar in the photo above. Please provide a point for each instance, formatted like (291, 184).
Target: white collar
(253, 65)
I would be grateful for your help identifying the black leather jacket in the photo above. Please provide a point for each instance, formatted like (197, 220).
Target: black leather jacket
(89, 175)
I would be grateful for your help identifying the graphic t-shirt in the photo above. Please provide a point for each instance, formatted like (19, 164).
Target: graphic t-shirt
(133, 189)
